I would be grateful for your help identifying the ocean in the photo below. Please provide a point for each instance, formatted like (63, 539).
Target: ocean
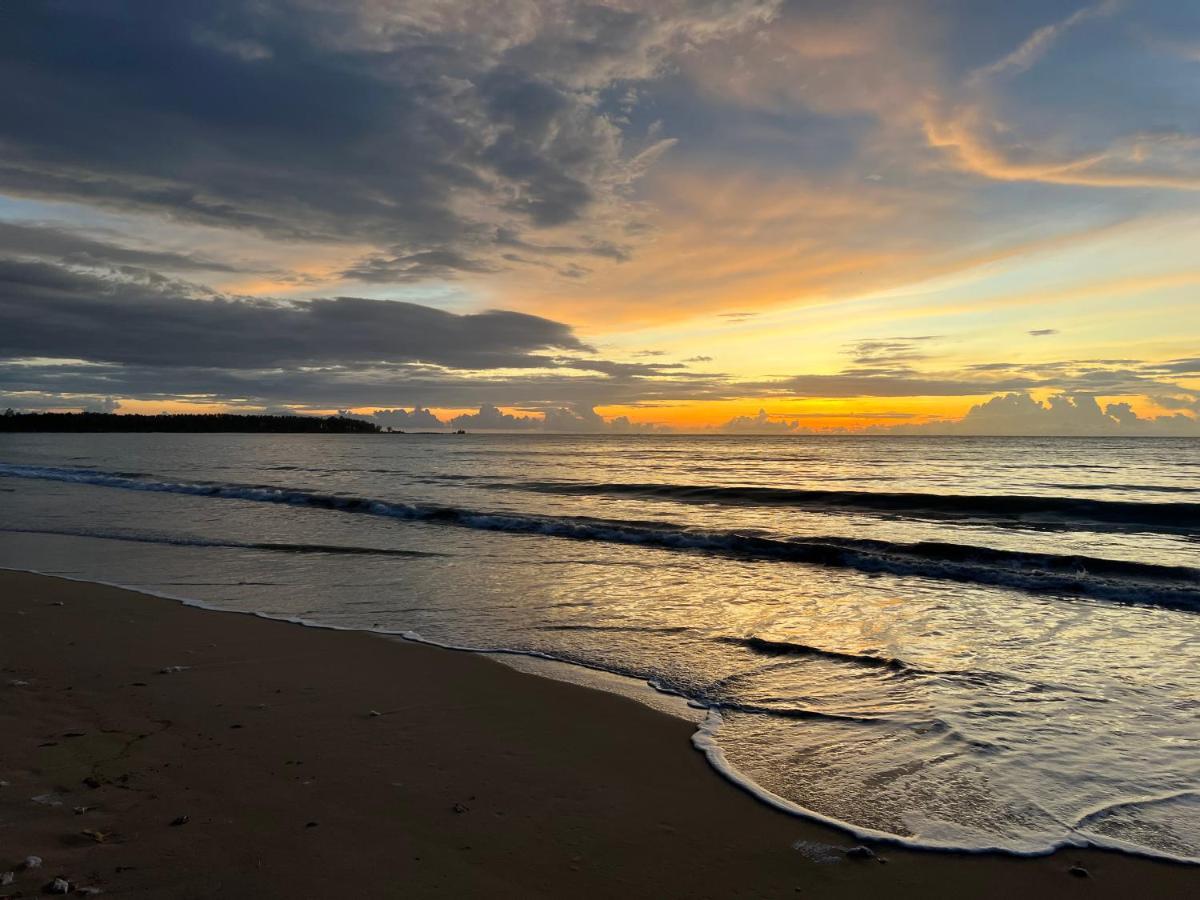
(954, 642)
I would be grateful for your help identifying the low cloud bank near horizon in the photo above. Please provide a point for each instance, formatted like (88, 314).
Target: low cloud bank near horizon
(560, 420)
(1066, 415)
(1011, 415)
(102, 331)
(1008, 415)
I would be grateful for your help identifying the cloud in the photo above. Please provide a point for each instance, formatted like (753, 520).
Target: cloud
(763, 423)
(1186, 402)
(972, 126)
(891, 356)
(60, 245)
(425, 130)
(1062, 415)
(886, 384)
(107, 405)
(402, 419)
(52, 311)
(490, 418)
(1038, 44)
(1042, 332)
(1189, 366)
(573, 420)
(585, 419)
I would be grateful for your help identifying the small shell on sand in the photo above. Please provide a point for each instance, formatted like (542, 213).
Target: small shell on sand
(171, 670)
(32, 862)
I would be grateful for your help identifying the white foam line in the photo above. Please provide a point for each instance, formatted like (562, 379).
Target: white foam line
(703, 739)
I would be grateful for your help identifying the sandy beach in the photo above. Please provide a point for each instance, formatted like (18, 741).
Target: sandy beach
(284, 761)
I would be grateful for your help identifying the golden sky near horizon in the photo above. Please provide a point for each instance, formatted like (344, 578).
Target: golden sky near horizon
(755, 216)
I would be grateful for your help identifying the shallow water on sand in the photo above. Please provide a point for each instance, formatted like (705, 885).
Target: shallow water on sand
(964, 642)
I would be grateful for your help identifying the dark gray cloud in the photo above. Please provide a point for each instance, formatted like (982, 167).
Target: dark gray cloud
(1186, 402)
(439, 133)
(71, 335)
(48, 242)
(418, 266)
(52, 311)
(75, 335)
(1179, 366)
(333, 386)
(1042, 332)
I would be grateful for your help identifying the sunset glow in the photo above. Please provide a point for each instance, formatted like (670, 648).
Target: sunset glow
(852, 217)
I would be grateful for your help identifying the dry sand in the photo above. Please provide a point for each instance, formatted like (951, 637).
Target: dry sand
(476, 780)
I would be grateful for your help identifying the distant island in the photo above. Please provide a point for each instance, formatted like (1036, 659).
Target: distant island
(82, 422)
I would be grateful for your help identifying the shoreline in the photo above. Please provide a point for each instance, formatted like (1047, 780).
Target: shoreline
(596, 772)
(665, 702)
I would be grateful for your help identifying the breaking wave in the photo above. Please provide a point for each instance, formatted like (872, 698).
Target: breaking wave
(1040, 511)
(1071, 575)
(270, 546)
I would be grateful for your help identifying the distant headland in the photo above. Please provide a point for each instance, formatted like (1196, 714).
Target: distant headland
(182, 423)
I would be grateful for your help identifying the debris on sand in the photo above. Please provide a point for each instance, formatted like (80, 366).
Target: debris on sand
(18, 682)
(1079, 871)
(32, 862)
(7, 878)
(825, 854)
(460, 808)
(180, 820)
(171, 670)
(860, 852)
(373, 714)
(59, 885)
(96, 836)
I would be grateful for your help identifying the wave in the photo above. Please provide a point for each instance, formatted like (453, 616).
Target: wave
(1074, 575)
(1019, 509)
(767, 647)
(705, 739)
(271, 546)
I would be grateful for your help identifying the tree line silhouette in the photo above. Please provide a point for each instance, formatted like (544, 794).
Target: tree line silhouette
(183, 423)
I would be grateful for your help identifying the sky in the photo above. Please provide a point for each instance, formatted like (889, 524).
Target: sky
(750, 216)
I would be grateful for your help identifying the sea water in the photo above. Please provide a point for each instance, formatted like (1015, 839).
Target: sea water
(958, 642)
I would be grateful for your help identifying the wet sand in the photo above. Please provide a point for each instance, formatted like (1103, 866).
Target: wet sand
(472, 780)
